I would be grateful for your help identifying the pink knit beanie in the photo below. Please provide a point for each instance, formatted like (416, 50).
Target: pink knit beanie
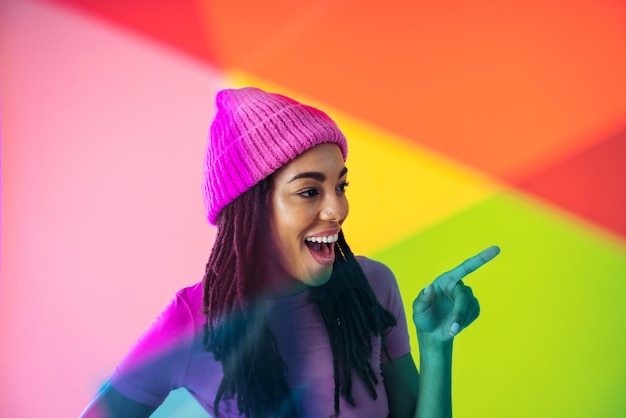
(254, 133)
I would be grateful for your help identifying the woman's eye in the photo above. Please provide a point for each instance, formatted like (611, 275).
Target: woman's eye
(342, 187)
(309, 193)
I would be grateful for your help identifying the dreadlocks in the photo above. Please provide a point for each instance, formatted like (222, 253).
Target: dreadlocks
(236, 329)
(351, 314)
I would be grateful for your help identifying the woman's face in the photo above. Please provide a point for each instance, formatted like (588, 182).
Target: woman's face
(306, 207)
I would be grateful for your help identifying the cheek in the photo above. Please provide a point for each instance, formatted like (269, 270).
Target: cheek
(284, 221)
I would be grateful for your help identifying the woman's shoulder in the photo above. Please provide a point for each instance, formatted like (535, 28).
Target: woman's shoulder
(190, 299)
(192, 295)
(380, 277)
(375, 270)
(183, 314)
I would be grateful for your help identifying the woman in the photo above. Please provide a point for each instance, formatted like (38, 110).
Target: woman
(287, 321)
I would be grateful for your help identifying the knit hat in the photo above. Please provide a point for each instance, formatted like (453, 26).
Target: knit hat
(254, 133)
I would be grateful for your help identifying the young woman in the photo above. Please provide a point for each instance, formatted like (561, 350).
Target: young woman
(287, 322)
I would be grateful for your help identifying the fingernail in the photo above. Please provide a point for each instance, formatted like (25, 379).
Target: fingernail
(454, 329)
(427, 289)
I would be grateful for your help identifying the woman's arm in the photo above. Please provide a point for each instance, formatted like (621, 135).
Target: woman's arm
(401, 381)
(109, 403)
(427, 394)
(440, 312)
(435, 380)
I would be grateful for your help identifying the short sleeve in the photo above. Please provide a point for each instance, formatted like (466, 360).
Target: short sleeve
(158, 361)
(385, 286)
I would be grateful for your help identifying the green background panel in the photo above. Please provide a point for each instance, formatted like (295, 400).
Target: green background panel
(549, 341)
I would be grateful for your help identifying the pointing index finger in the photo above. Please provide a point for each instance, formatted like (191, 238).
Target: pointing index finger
(449, 279)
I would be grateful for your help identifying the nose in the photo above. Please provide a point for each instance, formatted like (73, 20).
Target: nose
(334, 209)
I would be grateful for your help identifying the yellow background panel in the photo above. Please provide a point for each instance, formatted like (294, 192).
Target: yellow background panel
(396, 188)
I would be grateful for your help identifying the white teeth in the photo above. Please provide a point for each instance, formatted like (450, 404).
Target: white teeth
(326, 240)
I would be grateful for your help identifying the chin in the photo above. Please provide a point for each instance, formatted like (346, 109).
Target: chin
(321, 278)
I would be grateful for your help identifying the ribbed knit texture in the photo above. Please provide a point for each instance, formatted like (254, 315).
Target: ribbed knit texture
(254, 133)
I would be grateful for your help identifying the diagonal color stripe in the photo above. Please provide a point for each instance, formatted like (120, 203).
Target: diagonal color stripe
(178, 24)
(504, 86)
(497, 85)
(549, 335)
(395, 188)
(590, 184)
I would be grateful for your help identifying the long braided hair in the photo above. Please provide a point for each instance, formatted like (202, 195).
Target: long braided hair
(236, 331)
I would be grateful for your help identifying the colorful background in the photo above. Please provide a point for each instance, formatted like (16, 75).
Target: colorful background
(470, 124)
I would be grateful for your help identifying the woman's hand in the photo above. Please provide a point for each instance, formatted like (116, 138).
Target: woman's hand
(447, 305)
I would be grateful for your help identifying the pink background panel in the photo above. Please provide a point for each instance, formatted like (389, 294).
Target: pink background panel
(102, 142)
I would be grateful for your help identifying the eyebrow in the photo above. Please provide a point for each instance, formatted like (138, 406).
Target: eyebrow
(317, 175)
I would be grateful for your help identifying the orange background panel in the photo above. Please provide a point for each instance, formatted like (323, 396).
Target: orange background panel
(505, 87)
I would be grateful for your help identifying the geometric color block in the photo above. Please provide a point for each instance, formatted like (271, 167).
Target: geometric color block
(548, 342)
(591, 184)
(469, 124)
(496, 85)
(396, 188)
(505, 87)
(175, 23)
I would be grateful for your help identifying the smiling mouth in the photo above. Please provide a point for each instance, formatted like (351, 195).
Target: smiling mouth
(322, 246)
